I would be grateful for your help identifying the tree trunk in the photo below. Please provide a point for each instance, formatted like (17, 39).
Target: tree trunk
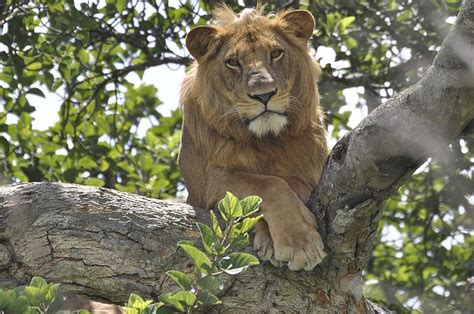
(108, 244)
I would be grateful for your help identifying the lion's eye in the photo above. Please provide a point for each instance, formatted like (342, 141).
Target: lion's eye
(276, 54)
(232, 63)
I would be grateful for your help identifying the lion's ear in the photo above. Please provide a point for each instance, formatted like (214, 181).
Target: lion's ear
(199, 39)
(300, 23)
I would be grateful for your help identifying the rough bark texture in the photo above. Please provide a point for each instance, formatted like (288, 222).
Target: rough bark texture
(90, 239)
(108, 244)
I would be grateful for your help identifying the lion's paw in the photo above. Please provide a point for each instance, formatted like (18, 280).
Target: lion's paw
(302, 248)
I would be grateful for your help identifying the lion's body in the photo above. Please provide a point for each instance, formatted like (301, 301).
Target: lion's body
(297, 159)
(275, 149)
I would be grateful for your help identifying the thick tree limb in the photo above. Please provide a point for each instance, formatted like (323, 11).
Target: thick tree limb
(109, 244)
(92, 238)
(372, 161)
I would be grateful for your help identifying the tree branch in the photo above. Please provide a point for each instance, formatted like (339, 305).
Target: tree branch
(108, 244)
(370, 163)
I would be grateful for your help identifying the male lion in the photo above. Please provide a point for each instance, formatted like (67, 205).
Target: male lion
(252, 126)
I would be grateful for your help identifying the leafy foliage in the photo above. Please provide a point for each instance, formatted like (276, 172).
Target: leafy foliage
(38, 297)
(221, 255)
(88, 53)
(429, 251)
(77, 51)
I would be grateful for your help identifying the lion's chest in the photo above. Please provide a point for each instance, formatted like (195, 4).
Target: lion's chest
(287, 159)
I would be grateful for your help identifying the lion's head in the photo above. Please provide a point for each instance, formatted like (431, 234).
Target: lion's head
(254, 76)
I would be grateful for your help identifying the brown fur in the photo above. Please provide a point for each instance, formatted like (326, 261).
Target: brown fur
(281, 163)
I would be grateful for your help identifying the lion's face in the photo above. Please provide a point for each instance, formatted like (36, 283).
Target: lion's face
(255, 79)
(249, 64)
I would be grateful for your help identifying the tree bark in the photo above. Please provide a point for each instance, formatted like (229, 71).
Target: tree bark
(108, 244)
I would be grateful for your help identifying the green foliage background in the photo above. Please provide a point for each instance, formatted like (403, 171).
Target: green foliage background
(85, 50)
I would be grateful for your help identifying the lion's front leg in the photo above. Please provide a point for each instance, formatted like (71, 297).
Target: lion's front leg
(289, 232)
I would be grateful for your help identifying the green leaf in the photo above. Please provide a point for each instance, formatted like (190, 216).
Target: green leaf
(65, 71)
(57, 83)
(230, 206)
(83, 56)
(219, 248)
(429, 271)
(185, 296)
(130, 310)
(215, 225)
(87, 163)
(210, 283)
(55, 297)
(120, 4)
(52, 292)
(237, 262)
(248, 223)
(157, 308)
(35, 66)
(207, 298)
(146, 162)
(351, 43)
(35, 296)
(6, 78)
(20, 305)
(38, 282)
(170, 300)
(183, 281)
(7, 297)
(462, 254)
(225, 212)
(345, 22)
(233, 232)
(88, 23)
(36, 91)
(135, 301)
(241, 241)
(250, 205)
(25, 119)
(206, 236)
(330, 21)
(70, 174)
(202, 262)
(187, 242)
(94, 182)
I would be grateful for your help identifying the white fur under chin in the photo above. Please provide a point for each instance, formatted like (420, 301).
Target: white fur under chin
(268, 124)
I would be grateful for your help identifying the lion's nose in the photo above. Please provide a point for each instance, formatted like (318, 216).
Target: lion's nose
(263, 98)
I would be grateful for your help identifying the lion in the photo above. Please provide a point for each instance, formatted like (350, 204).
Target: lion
(252, 126)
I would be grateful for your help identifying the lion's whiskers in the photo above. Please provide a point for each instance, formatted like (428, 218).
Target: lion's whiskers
(243, 104)
(232, 114)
